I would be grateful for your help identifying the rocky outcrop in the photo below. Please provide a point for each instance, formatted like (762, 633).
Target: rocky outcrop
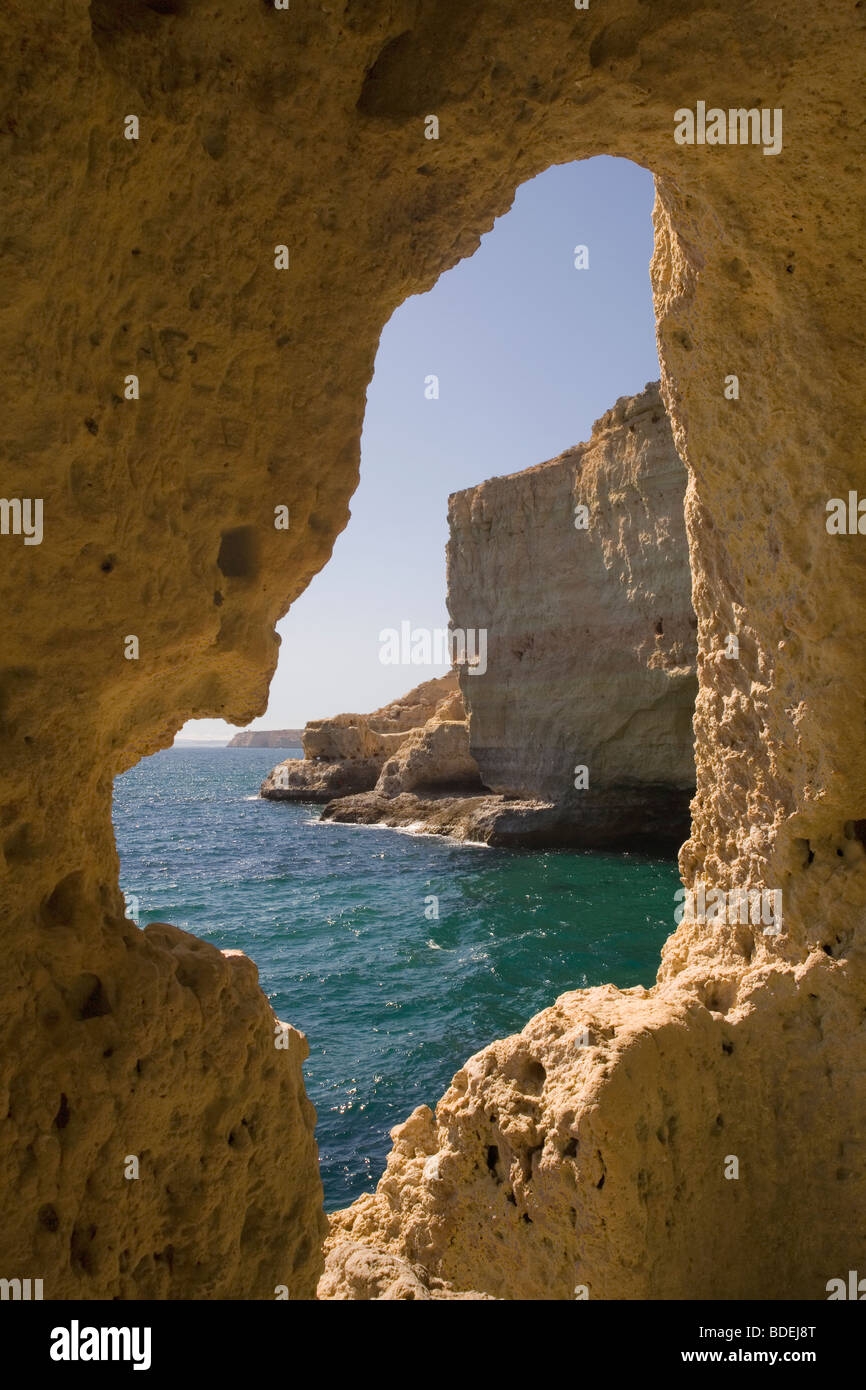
(154, 258)
(350, 753)
(436, 755)
(308, 780)
(501, 821)
(266, 738)
(355, 1271)
(578, 570)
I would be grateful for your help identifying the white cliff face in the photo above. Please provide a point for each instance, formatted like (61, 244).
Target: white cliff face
(578, 569)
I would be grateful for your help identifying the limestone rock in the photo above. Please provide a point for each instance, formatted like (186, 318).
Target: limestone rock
(505, 822)
(436, 755)
(355, 1271)
(157, 1047)
(591, 633)
(557, 1159)
(590, 657)
(306, 779)
(156, 258)
(345, 755)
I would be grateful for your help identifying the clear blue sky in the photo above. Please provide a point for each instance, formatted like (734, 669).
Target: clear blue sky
(529, 352)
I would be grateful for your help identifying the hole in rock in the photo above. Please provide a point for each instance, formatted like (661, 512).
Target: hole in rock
(66, 902)
(48, 1218)
(856, 830)
(80, 1248)
(402, 954)
(88, 998)
(238, 552)
(19, 846)
(528, 1074)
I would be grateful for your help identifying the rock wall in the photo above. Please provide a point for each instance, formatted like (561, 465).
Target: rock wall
(578, 570)
(155, 258)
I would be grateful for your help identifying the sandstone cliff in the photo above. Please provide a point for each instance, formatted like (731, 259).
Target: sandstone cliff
(155, 258)
(578, 569)
(590, 657)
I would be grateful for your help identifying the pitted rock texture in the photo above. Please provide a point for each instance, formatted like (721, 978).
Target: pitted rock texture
(591, 1149)
(354, 1271)
(155, 258)
(156, 1046)
(578, 569)
(350, 753)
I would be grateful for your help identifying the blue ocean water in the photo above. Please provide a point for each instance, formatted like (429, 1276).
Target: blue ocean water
(339, 921)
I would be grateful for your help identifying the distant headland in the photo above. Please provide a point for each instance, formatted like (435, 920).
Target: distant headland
(267, 738)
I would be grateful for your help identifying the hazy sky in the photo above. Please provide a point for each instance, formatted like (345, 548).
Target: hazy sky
(529, 351)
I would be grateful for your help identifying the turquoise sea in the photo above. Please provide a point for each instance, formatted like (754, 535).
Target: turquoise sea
(340, 923)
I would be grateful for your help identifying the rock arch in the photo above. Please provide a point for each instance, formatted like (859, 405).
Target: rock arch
(306, 128)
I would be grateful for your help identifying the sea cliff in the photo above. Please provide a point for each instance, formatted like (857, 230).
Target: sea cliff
(578, 569)
(579, 729)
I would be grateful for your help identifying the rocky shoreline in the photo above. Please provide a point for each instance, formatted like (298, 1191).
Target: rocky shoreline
(514, 823)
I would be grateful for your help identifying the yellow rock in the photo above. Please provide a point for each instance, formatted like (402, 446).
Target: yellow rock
(156, 258)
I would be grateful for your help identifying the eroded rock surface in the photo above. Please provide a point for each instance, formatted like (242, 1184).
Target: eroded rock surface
(355, 1271)
(402, 743)
(155, 258)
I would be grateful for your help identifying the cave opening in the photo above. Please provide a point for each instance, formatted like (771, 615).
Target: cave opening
(148, 252)
(401, 954)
